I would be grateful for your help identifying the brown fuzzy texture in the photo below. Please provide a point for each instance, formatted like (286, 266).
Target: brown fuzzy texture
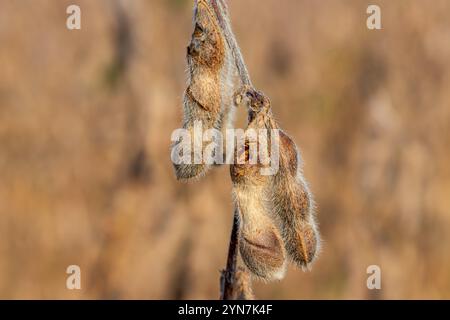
(244, 285)
(260, 242)
(208, 97)
(294, 207)
(290, 200)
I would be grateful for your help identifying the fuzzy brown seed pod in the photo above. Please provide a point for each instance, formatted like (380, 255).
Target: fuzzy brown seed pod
(208, 99)
(290, 200)
(294, 206)
(260, 242)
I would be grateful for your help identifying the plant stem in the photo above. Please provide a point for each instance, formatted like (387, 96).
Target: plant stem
(235, 280)
(221, 10)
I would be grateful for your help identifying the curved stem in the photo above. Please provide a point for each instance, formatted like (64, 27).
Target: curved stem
(221, 10)
(235, 280)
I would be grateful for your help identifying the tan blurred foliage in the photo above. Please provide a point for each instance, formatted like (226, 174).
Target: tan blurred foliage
(85, 124)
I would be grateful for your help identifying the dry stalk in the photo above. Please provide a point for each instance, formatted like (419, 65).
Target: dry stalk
(221, 9)
(292, 202)
(235, 281)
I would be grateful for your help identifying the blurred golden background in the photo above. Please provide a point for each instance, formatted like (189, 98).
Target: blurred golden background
(86, 118)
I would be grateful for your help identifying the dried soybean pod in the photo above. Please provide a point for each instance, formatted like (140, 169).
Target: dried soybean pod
(260, 243)
(208, 99)
(294, 206)
(290, 199)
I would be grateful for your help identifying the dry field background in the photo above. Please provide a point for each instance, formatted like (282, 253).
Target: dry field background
(85, 124)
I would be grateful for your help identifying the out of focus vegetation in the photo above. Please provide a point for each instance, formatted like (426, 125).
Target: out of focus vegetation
(85, 124)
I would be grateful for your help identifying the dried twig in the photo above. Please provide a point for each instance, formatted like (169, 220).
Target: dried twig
(235, 280)
(221, 9)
